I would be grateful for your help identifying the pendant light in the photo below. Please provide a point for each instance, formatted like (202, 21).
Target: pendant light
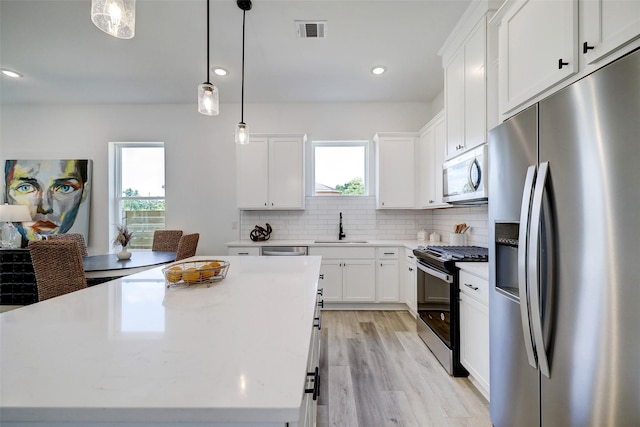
(207, 93)
(242, 130)
(115, 17)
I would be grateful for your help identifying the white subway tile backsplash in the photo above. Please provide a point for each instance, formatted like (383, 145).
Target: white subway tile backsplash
(361, 220)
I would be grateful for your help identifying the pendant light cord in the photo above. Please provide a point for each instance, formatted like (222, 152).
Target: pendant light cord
(244, 12)
(207, 79)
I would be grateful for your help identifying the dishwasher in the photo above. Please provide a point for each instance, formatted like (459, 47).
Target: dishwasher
(284, 250)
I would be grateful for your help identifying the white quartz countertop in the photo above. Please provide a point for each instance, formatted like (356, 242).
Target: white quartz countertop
(411, 244)
(480, 269)
(134, 351)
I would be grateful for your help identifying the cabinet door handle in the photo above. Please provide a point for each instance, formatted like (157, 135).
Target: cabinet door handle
(389, 253)
(243, 253)
(265, 203)
(561, 63)
(475, 288)
(318, 324)
(410, 269)
(321, 303)
(321, 277)
(586, 48)
(315, 378)
(321, 290)
(430, 201)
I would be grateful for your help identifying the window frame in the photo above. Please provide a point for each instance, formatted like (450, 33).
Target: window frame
(311, 190)
(115, 183)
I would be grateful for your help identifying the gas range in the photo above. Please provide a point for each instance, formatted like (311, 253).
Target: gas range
(445, 257)
(437, 288)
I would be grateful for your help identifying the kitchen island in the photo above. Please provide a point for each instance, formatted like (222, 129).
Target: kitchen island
(133, 352)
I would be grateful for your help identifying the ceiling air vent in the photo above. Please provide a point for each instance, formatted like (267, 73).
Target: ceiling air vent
(311, 29)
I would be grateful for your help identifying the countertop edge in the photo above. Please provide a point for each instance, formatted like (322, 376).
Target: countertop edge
(480, 269)
(410, 244)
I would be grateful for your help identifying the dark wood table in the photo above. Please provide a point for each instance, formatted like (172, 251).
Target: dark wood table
(110, 267)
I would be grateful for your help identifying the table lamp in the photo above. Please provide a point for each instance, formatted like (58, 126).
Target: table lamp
(10, 214)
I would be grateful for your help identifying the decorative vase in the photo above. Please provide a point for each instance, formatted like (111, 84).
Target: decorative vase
(124, 254)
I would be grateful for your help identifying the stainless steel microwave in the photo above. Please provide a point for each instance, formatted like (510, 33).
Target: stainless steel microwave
(464, 178)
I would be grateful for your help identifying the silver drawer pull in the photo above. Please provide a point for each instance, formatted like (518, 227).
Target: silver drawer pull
(475, 288)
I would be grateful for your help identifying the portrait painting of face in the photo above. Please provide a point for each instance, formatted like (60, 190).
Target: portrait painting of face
(55, 191)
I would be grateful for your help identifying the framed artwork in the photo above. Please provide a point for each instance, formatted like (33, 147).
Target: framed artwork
(57, 192)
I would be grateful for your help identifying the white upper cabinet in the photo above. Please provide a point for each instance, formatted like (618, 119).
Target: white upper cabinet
(429, 158)
(270, 172)
(546, 45)
(395, 170)
(607, 25)
(454, 94)
(466, 56)
(537, 41)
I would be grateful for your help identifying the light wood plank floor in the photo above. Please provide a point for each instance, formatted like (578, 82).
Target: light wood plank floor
(376, 372)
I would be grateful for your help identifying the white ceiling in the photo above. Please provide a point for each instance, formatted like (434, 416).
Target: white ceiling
(66, 59)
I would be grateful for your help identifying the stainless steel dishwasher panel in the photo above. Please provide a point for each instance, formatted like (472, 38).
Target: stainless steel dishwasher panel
(284, 250)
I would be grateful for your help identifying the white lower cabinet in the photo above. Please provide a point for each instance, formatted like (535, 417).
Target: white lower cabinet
(358, 280)
(348, 280)
(362, 274)
(311, 392)
(474, 329)
(244, 251)
(410, 287)
(387, 275)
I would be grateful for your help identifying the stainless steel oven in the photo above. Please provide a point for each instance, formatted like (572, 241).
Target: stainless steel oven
(438, 322)
(438, 315)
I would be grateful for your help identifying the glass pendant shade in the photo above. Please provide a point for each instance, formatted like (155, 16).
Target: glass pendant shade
(242, 133)
(115, 17)
(208, 103)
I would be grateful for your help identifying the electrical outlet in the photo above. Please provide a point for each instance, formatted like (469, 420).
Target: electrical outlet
(234, 225)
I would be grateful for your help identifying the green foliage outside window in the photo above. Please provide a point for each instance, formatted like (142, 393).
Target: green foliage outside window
(353, 187)
(141, 205)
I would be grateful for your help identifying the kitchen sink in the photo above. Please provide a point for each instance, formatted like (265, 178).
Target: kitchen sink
(340, 241)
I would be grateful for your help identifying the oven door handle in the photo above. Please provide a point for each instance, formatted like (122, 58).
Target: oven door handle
(432, 272)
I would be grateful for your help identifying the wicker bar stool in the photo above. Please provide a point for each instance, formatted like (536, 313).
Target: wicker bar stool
(187, 246)
(166, 240)
(76, 237)
(58, 267)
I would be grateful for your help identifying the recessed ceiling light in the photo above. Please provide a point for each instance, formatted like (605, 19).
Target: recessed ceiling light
(378, 70)
(220, 71)
(10, 73)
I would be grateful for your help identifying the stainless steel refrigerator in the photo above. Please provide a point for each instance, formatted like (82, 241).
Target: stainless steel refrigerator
(564, 224)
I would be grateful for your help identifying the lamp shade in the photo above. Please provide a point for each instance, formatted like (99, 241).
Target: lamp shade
(115, 17)
(208, 99)
(14, 213)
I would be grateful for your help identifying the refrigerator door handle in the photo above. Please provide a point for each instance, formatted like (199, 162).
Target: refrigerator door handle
(523, 237)
(533, 261)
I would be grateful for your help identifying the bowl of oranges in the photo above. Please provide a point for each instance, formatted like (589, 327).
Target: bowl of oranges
(195, 272)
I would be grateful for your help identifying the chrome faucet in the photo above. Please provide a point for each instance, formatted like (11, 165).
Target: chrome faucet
(341, 235)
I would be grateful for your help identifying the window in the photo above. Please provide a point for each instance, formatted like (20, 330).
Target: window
(137, 190)
(341, 168)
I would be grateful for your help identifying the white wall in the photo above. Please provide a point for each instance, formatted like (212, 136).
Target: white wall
(475, 217)
(200, 153)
